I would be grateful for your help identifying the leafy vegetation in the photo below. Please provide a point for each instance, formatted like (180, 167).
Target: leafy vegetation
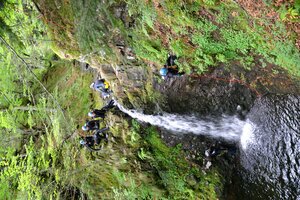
(52, 161)
(207, 33)
(45, 99)
(176, 177)
(203, 34)
(290, 11)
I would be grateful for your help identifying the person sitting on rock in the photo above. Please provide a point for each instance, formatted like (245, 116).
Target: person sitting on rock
(91, 125)
(102, 86)
(101, 113)
(170, 69)
(95, 139)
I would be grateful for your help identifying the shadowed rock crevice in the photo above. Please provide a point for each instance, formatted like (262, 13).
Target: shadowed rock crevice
(187, 95)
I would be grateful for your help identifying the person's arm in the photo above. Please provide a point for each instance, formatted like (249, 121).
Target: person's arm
(109, 105)
(103, 129)
(100, 113)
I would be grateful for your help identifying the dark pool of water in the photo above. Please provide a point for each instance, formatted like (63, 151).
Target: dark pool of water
(269, 168)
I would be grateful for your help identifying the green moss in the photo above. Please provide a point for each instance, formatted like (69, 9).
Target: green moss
(72, 89)
(59, 18)
(171, 172)
(136, 163)
(207, 33)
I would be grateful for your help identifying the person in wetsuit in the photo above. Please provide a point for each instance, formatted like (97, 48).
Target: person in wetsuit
(170, 69)
(101, 113)
(91, 125)
(91, 141)
(102, 86)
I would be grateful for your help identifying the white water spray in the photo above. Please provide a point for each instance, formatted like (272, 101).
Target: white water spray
(247, 137)
(227, 127)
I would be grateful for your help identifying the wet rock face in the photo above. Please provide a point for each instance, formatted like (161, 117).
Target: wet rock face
(204, 96)
(131, 76)
(127, 83)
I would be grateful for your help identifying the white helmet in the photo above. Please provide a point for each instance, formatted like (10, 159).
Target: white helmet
(91, 114)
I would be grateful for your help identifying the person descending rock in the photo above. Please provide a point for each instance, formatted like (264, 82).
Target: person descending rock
(91, 125)
(95, 139)
(170, 69)
(102, 86)
(101, 113)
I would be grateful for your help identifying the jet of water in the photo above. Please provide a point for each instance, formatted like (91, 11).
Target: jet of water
(227, 127)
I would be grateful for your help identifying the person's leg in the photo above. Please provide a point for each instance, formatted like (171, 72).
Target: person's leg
(97, 138)
(97, 124)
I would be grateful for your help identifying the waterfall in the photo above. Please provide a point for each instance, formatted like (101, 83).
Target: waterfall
(230, 128)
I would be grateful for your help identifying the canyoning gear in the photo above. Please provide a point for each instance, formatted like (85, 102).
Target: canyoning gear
(163, 71)
(91, 114)
(95, 139)
(170, 60)
(92, 85)
(101, 113)
(105, 94)
(110, 105)
(100, 85)
(170, 69)
(89, 141)
(219, 149)
(101, 135)
(82, 142)
(85, 128)
(97, 113)
(106, 84)
(170, 72)
(91, 125)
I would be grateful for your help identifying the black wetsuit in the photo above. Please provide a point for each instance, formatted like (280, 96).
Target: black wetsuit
(101, 113)
(172, 71)
(171, 61)
(99, 135)
(172, 67)
(110, 105)
(90, 141)
(95, 139)
(93, 124)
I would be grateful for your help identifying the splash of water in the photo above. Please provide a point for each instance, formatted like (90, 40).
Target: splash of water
(227, 127)
(247, 136)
